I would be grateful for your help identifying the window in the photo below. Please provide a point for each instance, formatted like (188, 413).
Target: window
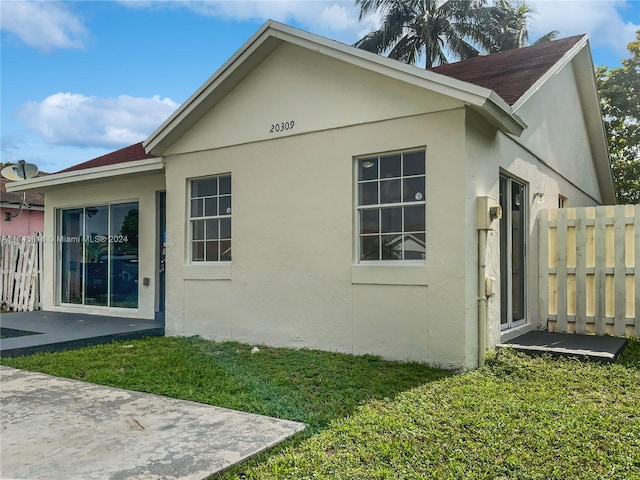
(98, 255)
(210, 219)
(563, 202)
(391, 206)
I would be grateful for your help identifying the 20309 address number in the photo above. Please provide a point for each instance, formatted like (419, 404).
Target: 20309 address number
(282, 126)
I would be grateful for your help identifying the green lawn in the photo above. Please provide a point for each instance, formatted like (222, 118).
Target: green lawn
(303, 385)
(516, 418)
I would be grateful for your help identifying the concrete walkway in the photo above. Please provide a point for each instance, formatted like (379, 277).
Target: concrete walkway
(55, 428)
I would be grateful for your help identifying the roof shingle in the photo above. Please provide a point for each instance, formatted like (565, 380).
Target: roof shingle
(511, 73)
(126, 154)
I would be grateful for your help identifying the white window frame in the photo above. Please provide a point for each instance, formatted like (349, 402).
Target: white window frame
(379, 206)
(203, 218)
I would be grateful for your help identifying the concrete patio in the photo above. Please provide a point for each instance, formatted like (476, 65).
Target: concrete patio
(56, 428)
(57, 331)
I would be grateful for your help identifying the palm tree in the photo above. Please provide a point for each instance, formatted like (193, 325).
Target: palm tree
(506, 23)
(430, 28)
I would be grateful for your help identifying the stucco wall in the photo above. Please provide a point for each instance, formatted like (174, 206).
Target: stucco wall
(28, 222)
(515, 158)
(293, 280)
(557, 135)
(315, 91)
(140, 188)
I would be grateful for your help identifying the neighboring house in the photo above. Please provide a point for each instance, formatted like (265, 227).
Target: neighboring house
(320, 196)
(20, 222)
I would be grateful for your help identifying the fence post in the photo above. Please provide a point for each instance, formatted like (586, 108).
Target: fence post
(636, 270)
(543, 268)
(581, 271)
(600, 232)
(619, 271)
(561, 270)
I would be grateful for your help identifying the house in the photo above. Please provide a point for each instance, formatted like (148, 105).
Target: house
(20, 222)
(314, 195)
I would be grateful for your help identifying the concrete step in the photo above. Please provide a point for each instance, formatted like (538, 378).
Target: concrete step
(589, 347)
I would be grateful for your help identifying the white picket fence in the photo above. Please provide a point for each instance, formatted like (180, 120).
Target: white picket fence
(589, 270)
(21, 272)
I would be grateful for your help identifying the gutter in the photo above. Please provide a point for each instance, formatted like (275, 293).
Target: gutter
(148, 165)
(17, 205)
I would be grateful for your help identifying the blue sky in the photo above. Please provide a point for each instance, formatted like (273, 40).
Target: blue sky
(83, 78)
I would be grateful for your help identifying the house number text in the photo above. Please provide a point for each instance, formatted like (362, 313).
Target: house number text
(282, 126)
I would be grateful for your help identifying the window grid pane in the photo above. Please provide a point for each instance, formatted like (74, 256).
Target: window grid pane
(210, 214)
(391, 204)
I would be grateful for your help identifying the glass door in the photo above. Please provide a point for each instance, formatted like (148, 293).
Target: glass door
(513, 232)
(71, 255)
(98, 255)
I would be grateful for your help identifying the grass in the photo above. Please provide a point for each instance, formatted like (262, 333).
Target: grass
(517, 418)
(303, 385)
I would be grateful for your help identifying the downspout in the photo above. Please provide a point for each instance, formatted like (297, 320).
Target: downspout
(483, 305)
(487, 212)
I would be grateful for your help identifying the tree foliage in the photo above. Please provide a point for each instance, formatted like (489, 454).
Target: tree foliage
(437, 30)
(506, 23)
(620, 99)
(412, 29)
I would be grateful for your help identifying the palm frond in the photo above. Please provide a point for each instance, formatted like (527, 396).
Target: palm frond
(552, 35)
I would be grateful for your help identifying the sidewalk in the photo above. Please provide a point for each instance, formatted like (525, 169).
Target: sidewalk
(56, 428)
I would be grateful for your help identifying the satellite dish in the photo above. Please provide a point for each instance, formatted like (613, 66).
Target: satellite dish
(21, 171)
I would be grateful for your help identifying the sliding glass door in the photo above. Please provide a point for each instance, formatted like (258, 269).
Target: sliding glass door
(70, 234)
(98, 255)
(513, 234)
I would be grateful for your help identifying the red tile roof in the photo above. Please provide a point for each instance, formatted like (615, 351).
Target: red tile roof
(126, 154)
(511, 73)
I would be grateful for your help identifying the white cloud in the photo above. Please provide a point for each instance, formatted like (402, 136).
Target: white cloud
(337, 17)
(602, 20)
(42, 24)
(75, 119)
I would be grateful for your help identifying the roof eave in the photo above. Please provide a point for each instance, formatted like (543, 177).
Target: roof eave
(273, 34)
(497, 111)
(588, 88)
(96, 173)
(559, 65)
(159, 139)
(28, 206)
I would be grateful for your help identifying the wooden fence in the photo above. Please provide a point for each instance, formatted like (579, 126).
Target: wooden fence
(589, 270)
(21, 272)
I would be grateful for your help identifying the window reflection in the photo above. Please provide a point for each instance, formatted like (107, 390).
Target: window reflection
(124, 255)
(98, 261)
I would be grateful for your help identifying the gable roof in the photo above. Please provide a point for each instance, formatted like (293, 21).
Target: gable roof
(494, 85)
(512, 73)
(126, 154)
(273, 34)
(509, 74)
